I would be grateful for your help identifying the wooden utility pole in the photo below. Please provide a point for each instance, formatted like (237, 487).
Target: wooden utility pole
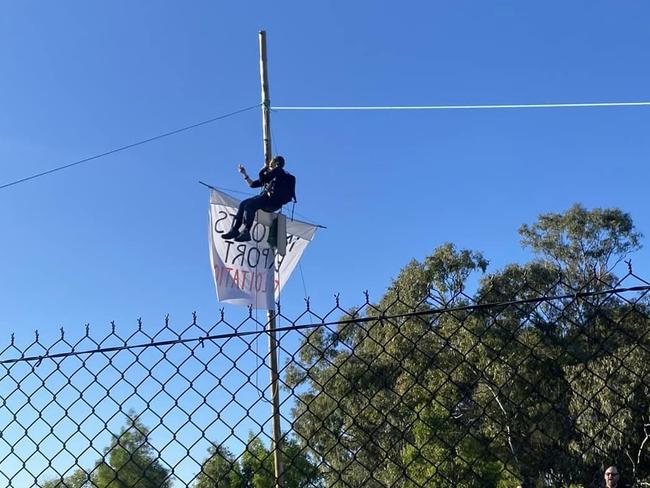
(273, 343)
(266, 101)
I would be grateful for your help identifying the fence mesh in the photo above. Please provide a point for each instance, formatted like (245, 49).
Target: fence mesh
(518, 385)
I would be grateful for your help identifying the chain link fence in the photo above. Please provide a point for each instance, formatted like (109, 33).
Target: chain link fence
(520, 385)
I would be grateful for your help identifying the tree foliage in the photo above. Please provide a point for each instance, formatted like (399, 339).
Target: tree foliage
(78, 479)
(582, 242)
(255, 468)
(130, 461)
(220, 469)
(536, 377)
(536, 391)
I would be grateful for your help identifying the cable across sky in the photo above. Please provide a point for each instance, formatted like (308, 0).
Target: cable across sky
(331, 108)
(128, 146)
(467, 107)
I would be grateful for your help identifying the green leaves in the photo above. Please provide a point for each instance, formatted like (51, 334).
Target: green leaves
(78, 479)
(583, 242)
(527, 380)
(486, 396)
(255, 467)
(130, 462)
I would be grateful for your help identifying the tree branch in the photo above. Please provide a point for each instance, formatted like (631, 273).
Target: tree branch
(645, 439)
(633, 464)
(505, 414)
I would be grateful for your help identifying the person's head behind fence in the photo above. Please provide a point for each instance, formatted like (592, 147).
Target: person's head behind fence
(612, 477)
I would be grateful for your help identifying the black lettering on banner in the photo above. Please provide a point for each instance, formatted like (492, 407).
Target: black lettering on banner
(222, 216)
(267, 258)
(238, 254)
(241, 248)
(255, 232)
(228, 244)
(291, 242)
(279, 262)
(255, 262)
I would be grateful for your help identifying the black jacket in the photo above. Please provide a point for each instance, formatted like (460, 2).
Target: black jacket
(266, 179)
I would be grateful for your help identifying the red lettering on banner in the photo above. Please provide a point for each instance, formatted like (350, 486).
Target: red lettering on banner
(217, 274)
(258, 282)
(228, 277)
(245, 281)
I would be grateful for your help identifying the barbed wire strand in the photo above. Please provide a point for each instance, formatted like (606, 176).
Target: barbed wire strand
(128, 146)
(435, 311)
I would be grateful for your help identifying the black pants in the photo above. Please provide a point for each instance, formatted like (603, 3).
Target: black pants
(248, 208)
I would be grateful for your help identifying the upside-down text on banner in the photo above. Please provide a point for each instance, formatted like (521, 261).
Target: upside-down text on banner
(252, 273)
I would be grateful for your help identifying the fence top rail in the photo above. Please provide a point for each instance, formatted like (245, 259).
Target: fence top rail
(216, 337)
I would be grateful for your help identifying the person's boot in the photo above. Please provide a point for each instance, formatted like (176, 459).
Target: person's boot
(245, 236)
(234, 232)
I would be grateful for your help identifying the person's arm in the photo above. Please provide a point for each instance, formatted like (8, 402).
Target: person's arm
(247, 179)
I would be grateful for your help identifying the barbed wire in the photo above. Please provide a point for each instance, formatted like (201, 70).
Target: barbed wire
(313, 325)
(528, 386)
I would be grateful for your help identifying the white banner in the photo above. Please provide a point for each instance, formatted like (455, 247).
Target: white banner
(251, 273)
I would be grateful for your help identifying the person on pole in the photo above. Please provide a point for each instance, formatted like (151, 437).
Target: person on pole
(278, 188)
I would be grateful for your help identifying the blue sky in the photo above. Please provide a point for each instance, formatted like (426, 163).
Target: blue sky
(125, 236)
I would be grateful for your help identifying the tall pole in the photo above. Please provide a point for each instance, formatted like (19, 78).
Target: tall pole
(273, 343)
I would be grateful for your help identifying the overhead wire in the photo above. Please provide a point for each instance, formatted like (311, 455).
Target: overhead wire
(342, 107)
(467, 107)
(128, 146)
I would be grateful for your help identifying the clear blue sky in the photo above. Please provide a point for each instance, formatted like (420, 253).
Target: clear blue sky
(126, 236)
